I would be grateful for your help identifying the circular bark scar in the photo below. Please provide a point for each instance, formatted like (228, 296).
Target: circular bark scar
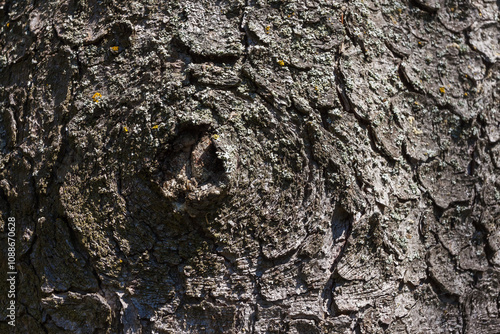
(194, 175)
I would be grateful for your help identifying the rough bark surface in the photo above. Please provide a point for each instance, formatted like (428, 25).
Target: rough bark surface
(251, 166)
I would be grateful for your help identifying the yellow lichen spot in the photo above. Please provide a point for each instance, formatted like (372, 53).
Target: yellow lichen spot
(411, 119)
(416, 103)
(452, 9)
(267, 29)
(121, 261)
(281, 62)
(399, 10)
(96, 96)
(8, 24)
(125, 129)
(215, 136)
(316, 88)
(442, 90)
(155, 127)
(417, 131)
(465, 94)
(114, 48)
(420, 43)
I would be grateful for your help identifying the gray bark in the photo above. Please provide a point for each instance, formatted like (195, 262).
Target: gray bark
(251, 166)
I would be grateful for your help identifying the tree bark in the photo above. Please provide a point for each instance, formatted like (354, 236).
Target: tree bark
(257, 166)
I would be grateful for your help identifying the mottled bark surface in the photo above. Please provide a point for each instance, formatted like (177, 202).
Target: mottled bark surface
(251, 166)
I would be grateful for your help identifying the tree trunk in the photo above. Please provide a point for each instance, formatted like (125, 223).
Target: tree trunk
(262, 166)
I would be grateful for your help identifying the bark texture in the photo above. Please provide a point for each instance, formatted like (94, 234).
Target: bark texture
(257, 166)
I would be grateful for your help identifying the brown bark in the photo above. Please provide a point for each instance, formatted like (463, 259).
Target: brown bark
(251, 166)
